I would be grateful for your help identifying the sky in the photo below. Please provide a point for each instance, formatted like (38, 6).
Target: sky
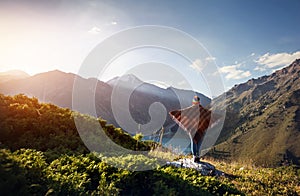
(245, 39)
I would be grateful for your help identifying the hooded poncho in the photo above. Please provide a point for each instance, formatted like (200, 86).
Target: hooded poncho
(194, 120)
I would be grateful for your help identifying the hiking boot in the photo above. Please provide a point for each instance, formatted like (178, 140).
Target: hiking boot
(196, 159)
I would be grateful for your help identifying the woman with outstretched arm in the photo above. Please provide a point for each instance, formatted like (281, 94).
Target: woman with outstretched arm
(195, 121)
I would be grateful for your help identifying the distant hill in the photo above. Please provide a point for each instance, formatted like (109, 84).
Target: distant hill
(12, 75)
(262, 123)
(56, 87)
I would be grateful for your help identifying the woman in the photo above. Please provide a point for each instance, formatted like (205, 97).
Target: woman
(195, 121)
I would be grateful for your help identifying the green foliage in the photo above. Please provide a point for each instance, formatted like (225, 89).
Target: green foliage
(138, 136)
(26, 171)
(21, 172)
(207, 183)
(133, 162)
(26, 123)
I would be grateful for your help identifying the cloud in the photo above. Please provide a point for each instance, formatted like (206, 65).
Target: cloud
(276, 60)
(210, 58)
(252, 54)
(198, 65)
(258, 68)
(232, 72)
(95, 30)
(114, 22)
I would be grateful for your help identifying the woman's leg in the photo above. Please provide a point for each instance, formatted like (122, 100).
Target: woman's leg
(196, 151)
(193, 147)
(198, 148)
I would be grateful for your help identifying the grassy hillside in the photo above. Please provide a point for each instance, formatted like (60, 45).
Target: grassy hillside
(26, 123)
(41, 153)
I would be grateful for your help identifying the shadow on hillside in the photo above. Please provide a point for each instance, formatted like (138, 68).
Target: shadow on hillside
(160, 183)
(218, 154)
(15, 180)
(290, 158)
(157, 183)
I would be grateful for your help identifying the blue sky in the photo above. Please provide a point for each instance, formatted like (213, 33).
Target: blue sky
(247, 39)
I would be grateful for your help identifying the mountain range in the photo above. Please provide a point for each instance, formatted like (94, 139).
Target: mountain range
(56, 87)
(262, 123)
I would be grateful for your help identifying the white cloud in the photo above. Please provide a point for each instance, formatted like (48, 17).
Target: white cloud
(114, 22)
(258, 68)
(197, 65)
(276, 60)
(232, 72)
(94, 30)
(210, 58)
(252, 54)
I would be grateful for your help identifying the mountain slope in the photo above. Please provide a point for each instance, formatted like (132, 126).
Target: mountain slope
(262, 123)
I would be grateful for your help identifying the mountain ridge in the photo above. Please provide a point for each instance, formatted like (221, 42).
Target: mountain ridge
(12, 74)
(56, 87)
(262, 123)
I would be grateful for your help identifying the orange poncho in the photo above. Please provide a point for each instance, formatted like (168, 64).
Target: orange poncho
(194, 120)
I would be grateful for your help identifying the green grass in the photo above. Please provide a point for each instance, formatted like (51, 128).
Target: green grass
(253, 180)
